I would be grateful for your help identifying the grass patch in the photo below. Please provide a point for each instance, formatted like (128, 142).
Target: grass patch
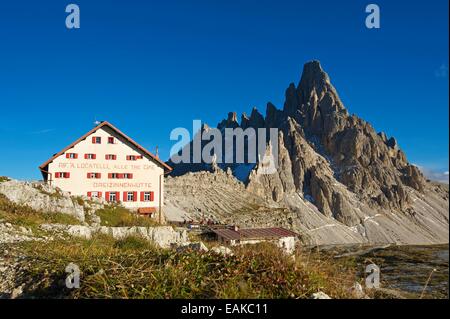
(57, 194)
(22, 215)
(116, 216)
(133, 243)
(132, 268)
(79, 200)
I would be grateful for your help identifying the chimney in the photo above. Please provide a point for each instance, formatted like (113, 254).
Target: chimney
(235, 228)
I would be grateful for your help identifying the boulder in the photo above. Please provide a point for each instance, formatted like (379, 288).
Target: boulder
(320, 295)
(42, 197)
(197, 246)
(222, 250)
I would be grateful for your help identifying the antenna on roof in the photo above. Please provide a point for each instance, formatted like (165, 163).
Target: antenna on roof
(97, 123)
(156, 152)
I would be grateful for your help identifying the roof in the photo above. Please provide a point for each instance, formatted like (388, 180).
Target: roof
(254, 233)
(95, 129)
(146, 210)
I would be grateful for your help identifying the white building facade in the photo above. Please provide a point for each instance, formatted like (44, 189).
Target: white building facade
(107, 164)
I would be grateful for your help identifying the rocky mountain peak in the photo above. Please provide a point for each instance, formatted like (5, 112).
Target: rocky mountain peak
(313, 76)
(256, 119)
(328, 155)
(244, 121)
(230, 122)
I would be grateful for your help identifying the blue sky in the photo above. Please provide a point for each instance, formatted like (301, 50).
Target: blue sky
(151, 66)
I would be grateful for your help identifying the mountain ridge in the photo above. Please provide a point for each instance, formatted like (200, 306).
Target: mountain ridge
(327, 157)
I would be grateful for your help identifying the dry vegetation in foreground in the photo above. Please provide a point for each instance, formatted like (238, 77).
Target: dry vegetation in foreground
(134, 268)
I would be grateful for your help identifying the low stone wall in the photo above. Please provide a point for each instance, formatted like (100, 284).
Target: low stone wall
(162, 236)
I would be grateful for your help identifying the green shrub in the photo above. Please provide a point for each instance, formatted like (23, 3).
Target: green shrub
(117, 216)
(4, 179)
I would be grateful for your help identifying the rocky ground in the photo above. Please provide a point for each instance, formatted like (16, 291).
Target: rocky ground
(220, 197)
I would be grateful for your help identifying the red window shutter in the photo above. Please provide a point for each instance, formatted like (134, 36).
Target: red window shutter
(109, 175)
(125, 196)
(93, 139)
(67, 155)
(152, 196)
(89, 194)
(99, 194)
(118, 196)
(135, 196)
(130, 176)
(114, 157)
(128, 157)
(142, 196)
(88, 175)
(85, 156)
(68, 175)
(94, 156)
(56, 175)
(76, 156)
(98, 175)
(107, 196)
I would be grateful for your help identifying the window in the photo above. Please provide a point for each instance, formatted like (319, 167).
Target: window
(120, 175)
(132, 157)
(94, 194)
(130, 196)
(96, 140)
(111, 157)
(111, 140)
(90, 156)
(147, 196)
(112, 197)
(72, 155)
(94, 175)
(62, 175)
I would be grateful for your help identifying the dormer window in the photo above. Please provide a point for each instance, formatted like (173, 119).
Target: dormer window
(96, 140)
